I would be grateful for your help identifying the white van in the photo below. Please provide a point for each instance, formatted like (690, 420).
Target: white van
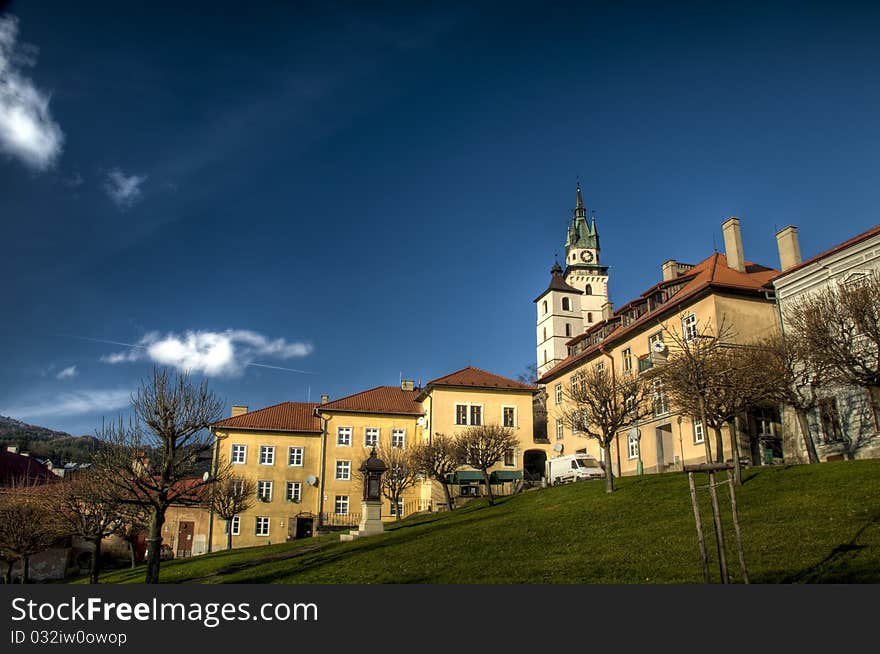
(573, 467)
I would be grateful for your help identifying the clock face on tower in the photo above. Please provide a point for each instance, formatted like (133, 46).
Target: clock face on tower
(586, 256)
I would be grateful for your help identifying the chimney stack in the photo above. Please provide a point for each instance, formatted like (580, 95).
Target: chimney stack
(789, 247)
(325, 398)
(607, 311)
(733, 247)
(407, 384)
(239, 409)
(670, 270)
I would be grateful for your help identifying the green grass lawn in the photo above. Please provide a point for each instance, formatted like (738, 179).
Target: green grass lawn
(801, 524)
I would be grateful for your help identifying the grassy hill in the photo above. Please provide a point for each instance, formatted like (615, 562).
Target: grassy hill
(801, 524)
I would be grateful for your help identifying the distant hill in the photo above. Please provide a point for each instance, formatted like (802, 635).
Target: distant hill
(59, 446)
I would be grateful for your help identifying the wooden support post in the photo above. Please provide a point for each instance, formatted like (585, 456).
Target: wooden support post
(739, 541)
(719, 530)
(703, 558)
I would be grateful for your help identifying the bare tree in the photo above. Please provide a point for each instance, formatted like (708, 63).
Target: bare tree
(402, 473)
(482, 446)
(134, 521)
(231, 497)
(437, 460)
(26, 527)
(85, 508)
(840, 325)
(155, 459)
(601, 404)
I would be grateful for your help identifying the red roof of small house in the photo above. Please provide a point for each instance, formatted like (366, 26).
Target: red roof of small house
(711, 273)
(382, 399)
(287, 416)
(471, 377)
(19, 469)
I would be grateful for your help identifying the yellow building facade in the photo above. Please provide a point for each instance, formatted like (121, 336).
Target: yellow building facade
(723, 289)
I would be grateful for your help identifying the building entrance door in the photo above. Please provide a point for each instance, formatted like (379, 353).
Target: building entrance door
(185, 538)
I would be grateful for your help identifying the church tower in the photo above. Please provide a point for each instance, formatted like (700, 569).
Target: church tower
(576, 297)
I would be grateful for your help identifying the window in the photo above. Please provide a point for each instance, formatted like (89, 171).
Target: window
(699, 434)
(544, 306)
(654, 338)
(661, 399)
(264, 491)
(509, 458)
(262, 527)
(632, 445)
(468, 414)
(545, 356)
(340, 507)
(545, 333)
(566, 304)
(600, 365)
(626, 355)
(830, 420)
(590, 316)
(689, 326)
(239, 453)
(267, 455)
(398, 437)
(588, 290)
(343, 436)
(461, 412)
(509, 415)
(343, 470)
(238, 488)
(294, 491)
(567, 329)
(235, 524)
(558, 392)
(371, 436)
(294, 456)
(476, 414)
(560, 430)
(397, 507)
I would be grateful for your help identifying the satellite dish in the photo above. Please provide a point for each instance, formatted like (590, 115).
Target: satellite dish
(558, 447)
(311, 479)
(421, 421)
(659, 347)
(206, 476)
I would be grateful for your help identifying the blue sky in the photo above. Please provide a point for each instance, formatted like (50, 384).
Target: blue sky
(364, 192)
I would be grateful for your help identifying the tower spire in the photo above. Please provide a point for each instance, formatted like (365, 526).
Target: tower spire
(580, 200)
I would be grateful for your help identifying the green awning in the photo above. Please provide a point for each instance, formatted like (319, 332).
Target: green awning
(466, 477)
(501, 476)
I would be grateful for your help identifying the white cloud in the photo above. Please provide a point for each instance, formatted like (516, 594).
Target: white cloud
(69, 404)
(27, 130)
(67, 373)
(124, 189)
(215, 354)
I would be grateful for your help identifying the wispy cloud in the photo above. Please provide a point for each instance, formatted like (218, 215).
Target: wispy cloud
(27, 130)
(67, 373)
(71, 404)
(216, 354)
(124, 189)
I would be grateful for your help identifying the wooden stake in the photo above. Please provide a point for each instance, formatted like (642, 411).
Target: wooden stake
(703, 558)
(719, 530)
(739, 541)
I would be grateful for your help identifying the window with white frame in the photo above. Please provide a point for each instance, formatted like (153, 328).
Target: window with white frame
(510, 458)
(600, 365)
(398, 438)
(238, 487)
(560, 430)
(468, 414)
(397, 507)
(267, 455)
(509, 416)
(689, 326)
(632, 444)
(343, 436)
(626, 355)
(558, 393)
(235, 525)
(264, 490)
(239, 453)
(371, 436)
(294, 456)
(699, 434)
(654, 338)
(340, 506)
(476, 414)
(343, 470)
(661, 399)
(294, 491)
(262, 525)
(461, 414)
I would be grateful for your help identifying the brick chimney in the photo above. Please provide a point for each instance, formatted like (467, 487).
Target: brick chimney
(789, 247)
(607, 311)
(733, 247)
(670, 269)
(325, 398)
(407, 384)
(239, 409)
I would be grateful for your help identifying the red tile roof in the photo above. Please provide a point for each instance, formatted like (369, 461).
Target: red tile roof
(18, 469)
(382, 399)
(837, 248)
(711, 273)
(476, 378)
(287, 416)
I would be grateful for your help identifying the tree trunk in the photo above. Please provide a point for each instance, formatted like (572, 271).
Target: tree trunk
(719, 445)
(609, 473)
(96, 561)
(25, 568)
(154, 545)
(734, 445)
(229, 534)
(131, 553)
(7, 576)
(448, 495)
(488, 488)
(397, 509)
(874, 393)
(705, 426)
(804, 424)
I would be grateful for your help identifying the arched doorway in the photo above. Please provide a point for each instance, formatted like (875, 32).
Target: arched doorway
(533, 464)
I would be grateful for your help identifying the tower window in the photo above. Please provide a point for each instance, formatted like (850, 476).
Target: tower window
(545, 333)
(567, 329)
(545, 356)
(588, 290)
(545, 306)
(566, 305)
(589, 317)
